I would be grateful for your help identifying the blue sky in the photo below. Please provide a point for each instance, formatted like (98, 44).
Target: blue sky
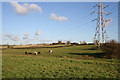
(54, 21)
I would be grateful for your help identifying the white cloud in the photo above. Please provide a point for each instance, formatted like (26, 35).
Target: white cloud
(45, 40)
(37, 33)
(25, 8)
(26, 36)
(60, 18)
(16, 38)
(11, 37)
(35, 7)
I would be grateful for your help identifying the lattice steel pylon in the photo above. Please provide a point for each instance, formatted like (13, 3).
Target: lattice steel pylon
(101, 30)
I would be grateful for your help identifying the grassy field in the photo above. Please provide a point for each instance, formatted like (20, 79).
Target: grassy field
(32, 46)
(64, 62)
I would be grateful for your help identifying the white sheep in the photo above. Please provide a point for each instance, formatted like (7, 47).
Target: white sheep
(35, 53)
(50, 51)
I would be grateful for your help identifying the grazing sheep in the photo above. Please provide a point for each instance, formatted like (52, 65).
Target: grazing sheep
(50, 51)
(35, 53)
(26, 52)
(38, 52)
(29, 53)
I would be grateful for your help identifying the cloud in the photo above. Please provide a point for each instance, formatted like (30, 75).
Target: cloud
(18, 8)
(61, 18)
(45, 40)
(25, 8)
(11, 37)
(16, 38)
(26, 36)
(37, 33)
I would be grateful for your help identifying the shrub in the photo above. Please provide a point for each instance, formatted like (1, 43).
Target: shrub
(84, 43)
(10, 46)
(74, 43)
(68, 42)
(94, 47)
(111, 49)
(91, 44)
(59, 42)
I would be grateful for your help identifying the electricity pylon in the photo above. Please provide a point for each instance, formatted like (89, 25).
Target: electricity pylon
(101, 30)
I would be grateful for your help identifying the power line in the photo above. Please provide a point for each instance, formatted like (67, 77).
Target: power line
(96, 19)
(81, 19)
(101, 30)
(66, 26)
(73, 30)
(73, 23)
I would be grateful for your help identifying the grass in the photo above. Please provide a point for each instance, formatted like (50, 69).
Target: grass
(64, 62)
(33, 46)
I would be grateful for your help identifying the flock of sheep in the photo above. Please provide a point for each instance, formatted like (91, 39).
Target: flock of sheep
(35, 53)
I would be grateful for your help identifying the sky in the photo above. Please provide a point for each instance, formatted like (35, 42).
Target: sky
(46, 22)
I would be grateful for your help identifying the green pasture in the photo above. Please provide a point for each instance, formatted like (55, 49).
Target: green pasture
(65, 62)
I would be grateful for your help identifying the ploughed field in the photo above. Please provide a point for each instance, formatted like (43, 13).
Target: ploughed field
(65, 62)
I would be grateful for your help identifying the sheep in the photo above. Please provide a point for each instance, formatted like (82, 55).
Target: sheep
(50, 51)
(26, 52)
(35, 53)
(29, 53)
(38, 52)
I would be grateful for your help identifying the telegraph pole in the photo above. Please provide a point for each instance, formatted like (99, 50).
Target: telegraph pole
(101, 30)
